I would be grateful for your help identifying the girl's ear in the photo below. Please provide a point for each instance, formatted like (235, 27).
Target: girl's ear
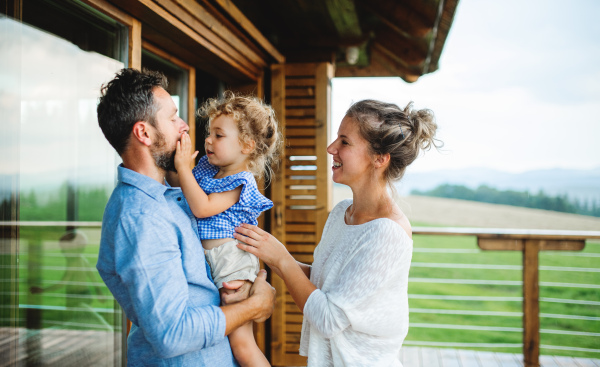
(141, 133)
(382, 160)
(248, 147)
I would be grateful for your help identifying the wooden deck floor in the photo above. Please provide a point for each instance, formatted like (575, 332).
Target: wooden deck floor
(64, 348)
(430, 357)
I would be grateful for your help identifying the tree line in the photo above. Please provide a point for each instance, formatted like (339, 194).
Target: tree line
(487, 194)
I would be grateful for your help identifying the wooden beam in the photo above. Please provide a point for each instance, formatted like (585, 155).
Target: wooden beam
(345, 20)
(111, 10)
(167, 24)
(566, 245)
(244, 57)
(500, 244)
(511, 233)
(493, 244)
(240, 18)
(213, 30)
(531, 304)
(198, 57)
(407, 52)
(400, 16)
(192, 106)
(382, 64)
(278, 184)
(135, 45)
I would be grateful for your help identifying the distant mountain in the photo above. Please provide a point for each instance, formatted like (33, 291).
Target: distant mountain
(576, 184)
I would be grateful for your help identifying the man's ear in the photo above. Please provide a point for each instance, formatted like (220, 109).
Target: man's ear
(141, 132)
(248, 146)
(381, 160)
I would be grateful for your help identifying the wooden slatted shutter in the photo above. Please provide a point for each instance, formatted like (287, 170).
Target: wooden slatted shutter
(301, 191)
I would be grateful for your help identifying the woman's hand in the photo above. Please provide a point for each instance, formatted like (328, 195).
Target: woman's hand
(184, 158)
(264, 246)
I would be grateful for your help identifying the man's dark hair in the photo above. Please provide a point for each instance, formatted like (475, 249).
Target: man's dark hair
(125, 100)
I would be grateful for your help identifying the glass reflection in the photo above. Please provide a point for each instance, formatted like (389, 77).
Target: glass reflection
(56, 174)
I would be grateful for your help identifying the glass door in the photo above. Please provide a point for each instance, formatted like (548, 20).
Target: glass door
(56, 174)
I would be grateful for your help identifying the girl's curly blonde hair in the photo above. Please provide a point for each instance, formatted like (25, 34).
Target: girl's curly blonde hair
(256, 122)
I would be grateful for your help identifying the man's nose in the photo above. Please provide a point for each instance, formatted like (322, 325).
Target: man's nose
(185, 127)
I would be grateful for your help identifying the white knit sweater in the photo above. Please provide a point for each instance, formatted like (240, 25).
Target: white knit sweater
(358, 316)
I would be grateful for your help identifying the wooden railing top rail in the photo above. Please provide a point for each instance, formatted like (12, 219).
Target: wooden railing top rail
(508, 233)
(449, 231)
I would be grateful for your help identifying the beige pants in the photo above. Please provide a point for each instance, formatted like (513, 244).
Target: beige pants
(227, 262)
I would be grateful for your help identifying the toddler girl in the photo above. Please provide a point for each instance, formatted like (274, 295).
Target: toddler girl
(221, 191)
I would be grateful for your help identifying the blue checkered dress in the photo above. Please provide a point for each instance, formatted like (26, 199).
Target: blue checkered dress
(246, 210)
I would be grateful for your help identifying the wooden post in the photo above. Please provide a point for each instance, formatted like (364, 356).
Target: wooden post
(278, 184)
(531, 303)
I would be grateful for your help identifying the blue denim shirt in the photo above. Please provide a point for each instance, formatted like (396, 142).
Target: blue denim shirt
(153, 263)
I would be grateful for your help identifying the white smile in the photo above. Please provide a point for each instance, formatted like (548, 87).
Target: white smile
(337, 164)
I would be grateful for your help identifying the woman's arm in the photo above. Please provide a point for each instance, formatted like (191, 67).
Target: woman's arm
(202, 205)
(275, 255)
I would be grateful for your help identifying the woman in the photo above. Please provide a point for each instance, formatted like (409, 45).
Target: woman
(354, 296)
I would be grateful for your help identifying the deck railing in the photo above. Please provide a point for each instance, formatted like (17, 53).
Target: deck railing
(529, 243)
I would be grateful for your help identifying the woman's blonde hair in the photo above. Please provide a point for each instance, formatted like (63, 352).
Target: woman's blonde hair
(256, 122)
(402, 133)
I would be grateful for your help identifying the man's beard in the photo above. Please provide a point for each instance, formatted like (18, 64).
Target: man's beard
(162, 158)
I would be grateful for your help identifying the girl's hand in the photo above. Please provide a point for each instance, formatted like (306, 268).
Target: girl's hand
(264, 246)
(184, 158)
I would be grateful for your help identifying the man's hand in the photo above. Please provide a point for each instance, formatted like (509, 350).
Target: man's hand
(264, 296)
(234, 293)
(258, 307)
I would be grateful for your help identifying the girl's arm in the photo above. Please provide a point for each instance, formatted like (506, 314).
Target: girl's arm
(275, 255)
(202, 205)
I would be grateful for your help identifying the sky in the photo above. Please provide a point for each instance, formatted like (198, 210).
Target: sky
(518, 88)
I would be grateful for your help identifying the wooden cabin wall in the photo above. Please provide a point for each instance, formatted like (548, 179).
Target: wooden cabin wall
(301, 96)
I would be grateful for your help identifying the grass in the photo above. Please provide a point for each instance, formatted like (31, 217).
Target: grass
(437, 326)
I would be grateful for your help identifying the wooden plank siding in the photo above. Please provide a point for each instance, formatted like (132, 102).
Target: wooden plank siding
(304, 181)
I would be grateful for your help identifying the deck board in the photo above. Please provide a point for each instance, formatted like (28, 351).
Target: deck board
(468, 358)
(433, 357)
(449, 358)
(430, 357)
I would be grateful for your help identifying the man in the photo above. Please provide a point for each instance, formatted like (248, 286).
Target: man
(150, 256)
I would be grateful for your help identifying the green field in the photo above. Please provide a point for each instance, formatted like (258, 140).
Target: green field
(441, 326)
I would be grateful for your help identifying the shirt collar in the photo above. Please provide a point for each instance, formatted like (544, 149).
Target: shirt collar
(142, 182)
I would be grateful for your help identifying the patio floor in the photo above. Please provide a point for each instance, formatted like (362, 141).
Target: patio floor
(64, 348)
(430, 357)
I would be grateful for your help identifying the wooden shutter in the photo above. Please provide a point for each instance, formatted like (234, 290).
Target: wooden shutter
(301, 95)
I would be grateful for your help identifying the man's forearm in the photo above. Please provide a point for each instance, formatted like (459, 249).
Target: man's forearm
(239, 314)
(258, 307)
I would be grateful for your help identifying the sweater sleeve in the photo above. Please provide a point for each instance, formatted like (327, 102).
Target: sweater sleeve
(369, 293)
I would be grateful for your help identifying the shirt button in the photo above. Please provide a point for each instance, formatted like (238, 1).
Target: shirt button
(179, 199)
